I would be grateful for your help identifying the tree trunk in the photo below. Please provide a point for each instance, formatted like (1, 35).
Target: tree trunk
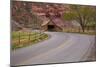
(82, 24)
(83, 28)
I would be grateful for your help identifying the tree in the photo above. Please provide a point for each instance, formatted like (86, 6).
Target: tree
(82, 14)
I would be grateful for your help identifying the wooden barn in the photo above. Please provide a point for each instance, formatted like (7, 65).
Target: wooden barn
(55, 24)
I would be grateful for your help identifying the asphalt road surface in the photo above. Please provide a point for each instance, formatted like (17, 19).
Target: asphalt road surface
(60, 47)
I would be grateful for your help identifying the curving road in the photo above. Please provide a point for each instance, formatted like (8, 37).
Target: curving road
(60, 47)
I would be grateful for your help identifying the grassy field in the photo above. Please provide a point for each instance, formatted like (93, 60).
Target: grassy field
(22, 39)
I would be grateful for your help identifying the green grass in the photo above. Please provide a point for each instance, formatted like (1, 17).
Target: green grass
(92, 32)
(26, 39)
(87, 33)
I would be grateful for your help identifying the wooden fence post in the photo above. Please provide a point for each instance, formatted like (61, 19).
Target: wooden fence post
(19, 38)
(29, 37)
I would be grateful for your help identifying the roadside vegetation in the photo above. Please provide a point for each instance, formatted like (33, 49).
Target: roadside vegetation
(22, 39)
(89, 30)
(92, 32)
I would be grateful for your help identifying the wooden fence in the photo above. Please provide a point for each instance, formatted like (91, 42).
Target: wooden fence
(28, 38)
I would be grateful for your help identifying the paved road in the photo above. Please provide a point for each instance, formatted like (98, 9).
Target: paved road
(60, 47)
